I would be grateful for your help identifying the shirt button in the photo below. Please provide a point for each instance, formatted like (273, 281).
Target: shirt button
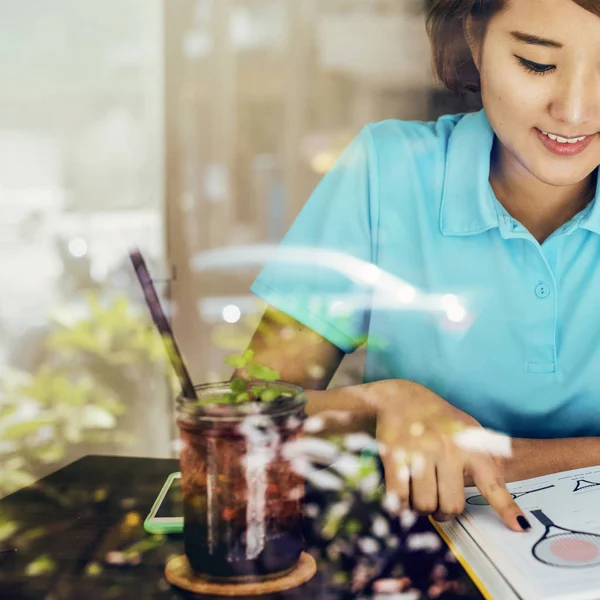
(542, 290)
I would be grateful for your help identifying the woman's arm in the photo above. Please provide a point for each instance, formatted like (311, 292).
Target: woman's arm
(299, 354)
(424, 469)
(305, 358)
(532, 458)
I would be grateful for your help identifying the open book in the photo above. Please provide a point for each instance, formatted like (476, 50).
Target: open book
(558, 558)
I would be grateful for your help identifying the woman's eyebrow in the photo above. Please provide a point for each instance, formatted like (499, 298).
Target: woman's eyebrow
(529, 38)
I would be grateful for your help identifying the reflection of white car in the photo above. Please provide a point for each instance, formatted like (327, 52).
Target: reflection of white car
(387, 291)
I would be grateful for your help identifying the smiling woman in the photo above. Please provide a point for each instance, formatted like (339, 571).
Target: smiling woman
(498, 209)
(539, 79)
(536, 65)
(452, 57)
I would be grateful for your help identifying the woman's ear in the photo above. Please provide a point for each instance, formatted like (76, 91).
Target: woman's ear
(473, 40)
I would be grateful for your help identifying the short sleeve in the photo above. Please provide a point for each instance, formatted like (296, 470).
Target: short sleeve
(319, 274)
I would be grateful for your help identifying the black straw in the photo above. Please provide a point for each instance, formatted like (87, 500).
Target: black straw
(160, 320)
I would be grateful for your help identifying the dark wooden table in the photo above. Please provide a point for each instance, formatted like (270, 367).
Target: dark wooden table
(61, 534)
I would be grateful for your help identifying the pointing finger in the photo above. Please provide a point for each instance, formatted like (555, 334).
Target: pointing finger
(490, 483)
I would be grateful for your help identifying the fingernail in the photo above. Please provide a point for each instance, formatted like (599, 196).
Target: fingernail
(523, 522)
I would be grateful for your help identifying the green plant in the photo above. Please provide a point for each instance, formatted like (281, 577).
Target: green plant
(252, 382)
(81, 392)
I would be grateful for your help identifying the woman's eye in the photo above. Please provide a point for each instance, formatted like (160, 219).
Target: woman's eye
(533, 67)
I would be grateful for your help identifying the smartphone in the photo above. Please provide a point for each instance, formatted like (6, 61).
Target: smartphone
(166, 515)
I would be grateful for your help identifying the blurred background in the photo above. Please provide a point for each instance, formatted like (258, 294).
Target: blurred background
(181, 127)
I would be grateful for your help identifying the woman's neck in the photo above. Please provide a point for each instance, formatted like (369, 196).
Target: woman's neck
(539, 207)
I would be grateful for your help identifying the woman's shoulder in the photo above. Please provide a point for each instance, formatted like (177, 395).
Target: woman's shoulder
(412, 136)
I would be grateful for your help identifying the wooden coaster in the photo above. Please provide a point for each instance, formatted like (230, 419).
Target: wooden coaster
(179, 573)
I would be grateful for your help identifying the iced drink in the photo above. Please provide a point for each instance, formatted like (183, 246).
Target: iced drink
(242, 498)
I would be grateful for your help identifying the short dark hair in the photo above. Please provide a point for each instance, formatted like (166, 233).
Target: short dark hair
(452, 61)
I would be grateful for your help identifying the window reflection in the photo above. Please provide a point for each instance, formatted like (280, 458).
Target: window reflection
(80, 181)
(262, 97)
(179, 127)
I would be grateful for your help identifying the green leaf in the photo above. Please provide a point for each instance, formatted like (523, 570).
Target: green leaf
(270, 394)
(352, 526)
(51, 453)
(254, 370)
(333, 519)
(40, 566)
(262, 372)
(257, 390)
(33, 534)
(100, 495)
(238, 385)
(235, 361)
(248, 355)
(271, 375)
(227, 399)
(93, 569)
(13, 480)
(7, 529)
(20, 430)
(243, 397)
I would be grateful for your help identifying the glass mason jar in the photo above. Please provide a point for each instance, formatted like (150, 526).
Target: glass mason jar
(242, 499)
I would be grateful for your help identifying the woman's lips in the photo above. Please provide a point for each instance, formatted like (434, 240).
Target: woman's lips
(562, 148)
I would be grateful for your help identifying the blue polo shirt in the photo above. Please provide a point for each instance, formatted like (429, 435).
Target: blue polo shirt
(404, 246)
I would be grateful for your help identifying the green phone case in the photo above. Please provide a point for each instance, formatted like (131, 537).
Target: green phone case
(154, 526)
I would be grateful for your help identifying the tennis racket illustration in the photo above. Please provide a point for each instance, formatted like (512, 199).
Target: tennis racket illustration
(584, 484)
(480, 500)
(565, 548)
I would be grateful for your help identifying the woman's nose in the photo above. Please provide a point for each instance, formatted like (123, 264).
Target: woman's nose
(576, 101)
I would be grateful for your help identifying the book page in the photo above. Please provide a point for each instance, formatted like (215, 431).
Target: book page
(559, 557)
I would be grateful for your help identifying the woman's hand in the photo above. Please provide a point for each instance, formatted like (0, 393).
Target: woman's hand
(421, 439)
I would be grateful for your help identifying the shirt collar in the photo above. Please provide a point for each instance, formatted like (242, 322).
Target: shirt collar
(467, 201)
(591, 217)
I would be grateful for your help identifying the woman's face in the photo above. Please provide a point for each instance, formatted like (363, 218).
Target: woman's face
(540, 74)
